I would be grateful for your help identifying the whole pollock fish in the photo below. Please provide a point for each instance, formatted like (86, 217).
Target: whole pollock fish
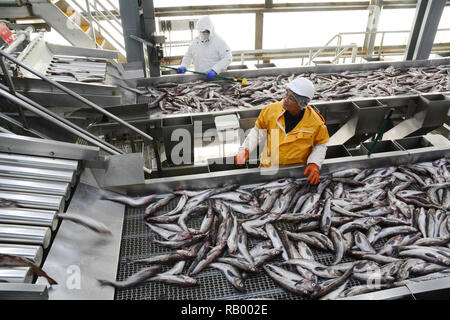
(201, 253)
(387, 232)
(294, 254)
(300, 202)
(87, 222)
(311, 204)
(336, 293)
(363, 243)
(134, 280)
(165, 258)
(132, 202)
(276, 240)
(338, 243)
(179, 207)
(233, 196)
(290, 281)
(365, 288)
(154, 207)
(210, 257)
(346, 173)
(239, 263)
(328, 286)
(8, 260)
(181, 280)
(244, 209)
(231, 273)
(361, 223)
(267, 256)
(232, 238)
(243, 246)
(181, 243)
(325, 220)
(280, 183)
(312, 241)
(317, 268)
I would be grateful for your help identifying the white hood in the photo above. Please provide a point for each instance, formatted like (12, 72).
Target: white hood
(205, 23)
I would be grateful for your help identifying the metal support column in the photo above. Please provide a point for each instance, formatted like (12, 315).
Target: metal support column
(129, 14)
(149, 30)
(372, 25)
(426, 21)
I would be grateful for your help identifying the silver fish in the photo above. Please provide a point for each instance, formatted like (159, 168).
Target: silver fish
(152, 208)
(181, 280)
(311, 204)
(134, 280)
(391, 231)
(304, 251)
(378, 258)
(363, 243)
(239, 263)
(328, 286)
(164, 258)
(270, 200)
(179, 207)
(317, 268)
(338, 190)
(300, 202)
(325, 220)
(365, 288)
(86, 221)
(336, 293)
(244, 209)
(290, 281)
(243, 246)
(233, 196)
(8, 260)
(181, 243)
(280, 183)
(132, 202)
(276, 240)
(232, 238)
(266, 256)
(210, 257)
(338, 243)
(231, 273)
(426, 254)
(361, 223)
(307, 239)
(346, 173)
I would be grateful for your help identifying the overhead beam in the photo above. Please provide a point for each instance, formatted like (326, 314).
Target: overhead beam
(129, 11)
(426, 21)
(279, 7)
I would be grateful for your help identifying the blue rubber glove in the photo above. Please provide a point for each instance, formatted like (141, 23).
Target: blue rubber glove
(211, 74)
(181, 69)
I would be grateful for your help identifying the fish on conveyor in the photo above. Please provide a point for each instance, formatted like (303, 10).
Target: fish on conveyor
(231, 273)
(134, 280)
(179, 207)
(425, 253)
(392, 231)
(317, 268)
(86, 221)
(8, 260)
(232, 238)
(362, 242)
(170, 235)
(290, 281)
(244, 209)
(365, 288)
(330, 285)
(233, 196)
(280, 183)
(346, 173)
(132, 202)
(181, 243)
(169, 257)
(209, 258)
(239, 263)
(152, 208)
(181, 280)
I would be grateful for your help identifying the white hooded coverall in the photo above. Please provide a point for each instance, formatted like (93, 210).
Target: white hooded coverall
(211, 54)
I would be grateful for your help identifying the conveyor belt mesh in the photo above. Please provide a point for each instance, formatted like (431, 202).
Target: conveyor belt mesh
(136, 243)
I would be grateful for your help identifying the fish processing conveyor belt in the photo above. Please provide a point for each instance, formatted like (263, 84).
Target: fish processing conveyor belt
(33, 190)
(138, 241)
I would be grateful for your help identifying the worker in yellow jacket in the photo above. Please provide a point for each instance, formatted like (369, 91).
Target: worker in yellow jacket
(295, 132)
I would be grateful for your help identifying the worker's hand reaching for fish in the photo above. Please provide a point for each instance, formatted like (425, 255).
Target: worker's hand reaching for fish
(241, 158)
(313, 170)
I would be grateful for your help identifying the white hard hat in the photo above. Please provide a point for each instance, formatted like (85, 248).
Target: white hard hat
(302, 87)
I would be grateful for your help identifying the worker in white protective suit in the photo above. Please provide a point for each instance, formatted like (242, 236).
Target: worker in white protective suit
(209, 51)
(295, 132)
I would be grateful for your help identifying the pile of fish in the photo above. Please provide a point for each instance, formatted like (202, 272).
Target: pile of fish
(81, 69)
(383, 227)
(203, 96)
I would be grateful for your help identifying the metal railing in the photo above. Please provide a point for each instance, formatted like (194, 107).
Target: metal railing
(339, 35)
(340, 50)
(92, 12)
(23, 102)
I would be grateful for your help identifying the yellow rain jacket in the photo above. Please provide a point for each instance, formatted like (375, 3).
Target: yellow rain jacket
(292, 147)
